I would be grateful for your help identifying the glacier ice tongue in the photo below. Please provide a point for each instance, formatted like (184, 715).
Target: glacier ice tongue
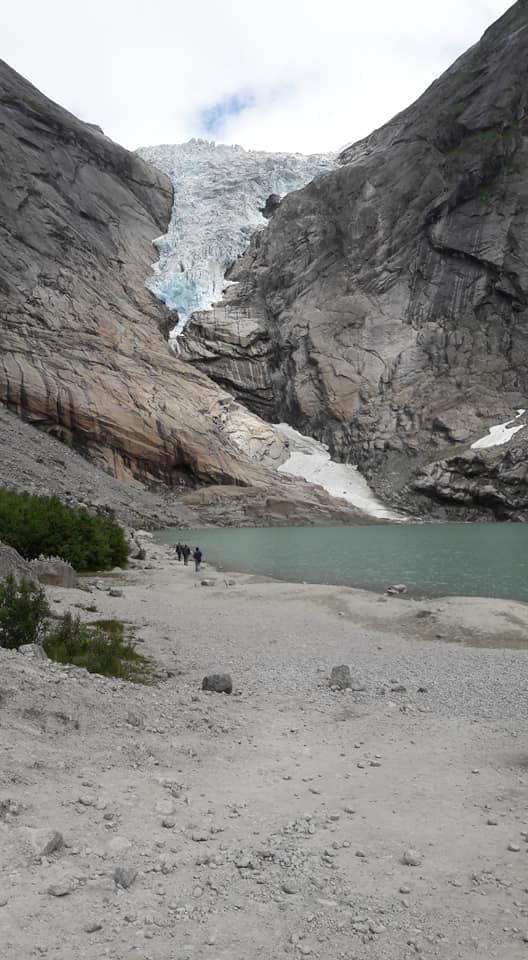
(219, 191)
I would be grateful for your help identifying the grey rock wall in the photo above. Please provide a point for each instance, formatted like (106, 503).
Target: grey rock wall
(385, 308)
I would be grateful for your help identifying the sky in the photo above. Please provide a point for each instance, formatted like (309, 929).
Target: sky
(294, 75)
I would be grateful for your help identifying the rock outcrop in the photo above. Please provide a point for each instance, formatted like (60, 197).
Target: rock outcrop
(385, 308)
(12, 563)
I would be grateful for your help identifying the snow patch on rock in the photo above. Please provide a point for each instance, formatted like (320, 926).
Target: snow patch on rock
(311, 460)
(500, 433)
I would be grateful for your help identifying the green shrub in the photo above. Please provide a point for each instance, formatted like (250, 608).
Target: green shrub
(99, 648)
(24, 613)
(35, 525)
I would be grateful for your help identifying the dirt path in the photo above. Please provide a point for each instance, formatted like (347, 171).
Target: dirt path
(271, 823)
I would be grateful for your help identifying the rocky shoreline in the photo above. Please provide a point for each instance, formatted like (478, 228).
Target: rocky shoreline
(156, 821)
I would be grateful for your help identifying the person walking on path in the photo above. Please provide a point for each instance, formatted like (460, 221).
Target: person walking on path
(186, 550)
(178, 549)
(197, 557)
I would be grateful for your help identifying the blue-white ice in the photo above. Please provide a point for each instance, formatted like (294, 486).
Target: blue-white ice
(218, 190)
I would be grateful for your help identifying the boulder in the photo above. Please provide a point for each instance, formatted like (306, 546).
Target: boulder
(397, 589)
(218, 683)
(12, 562)
(340, 677)
(54, 571)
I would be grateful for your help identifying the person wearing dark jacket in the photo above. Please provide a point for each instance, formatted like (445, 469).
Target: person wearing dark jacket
(186, 551)
(178, 549)
(197, 557)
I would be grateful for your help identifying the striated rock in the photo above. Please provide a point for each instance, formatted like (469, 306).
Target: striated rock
(83, 355)
(384, 310)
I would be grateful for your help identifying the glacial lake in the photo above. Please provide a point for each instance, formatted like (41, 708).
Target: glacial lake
(436, 559)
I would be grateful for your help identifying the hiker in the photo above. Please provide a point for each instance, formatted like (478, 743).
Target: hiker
(178, 549)
(186, 551)
(197, 557)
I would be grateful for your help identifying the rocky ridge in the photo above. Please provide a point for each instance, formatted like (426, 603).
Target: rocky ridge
(385, 308)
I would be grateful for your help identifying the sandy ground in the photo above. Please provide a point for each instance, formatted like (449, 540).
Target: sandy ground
(271, 823)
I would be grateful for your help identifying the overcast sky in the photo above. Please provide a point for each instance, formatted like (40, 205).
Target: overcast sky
(296, 75)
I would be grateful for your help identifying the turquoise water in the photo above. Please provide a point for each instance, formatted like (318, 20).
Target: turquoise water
(472, 559)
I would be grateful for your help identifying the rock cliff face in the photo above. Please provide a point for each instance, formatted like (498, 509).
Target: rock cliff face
(385, 308)
(83, 355)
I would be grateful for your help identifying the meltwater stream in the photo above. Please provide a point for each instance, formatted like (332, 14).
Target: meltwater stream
(464, 559)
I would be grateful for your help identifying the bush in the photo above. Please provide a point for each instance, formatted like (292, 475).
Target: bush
(24, 612)
(99, 648)
(35, 525)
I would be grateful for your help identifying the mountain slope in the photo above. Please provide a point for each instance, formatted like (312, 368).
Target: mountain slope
(84, 354)
(384, 310)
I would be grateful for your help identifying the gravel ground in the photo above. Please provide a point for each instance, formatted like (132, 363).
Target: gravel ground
(273, 822)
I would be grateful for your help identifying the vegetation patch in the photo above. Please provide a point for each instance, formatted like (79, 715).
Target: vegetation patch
(99, 647)
(35, 525)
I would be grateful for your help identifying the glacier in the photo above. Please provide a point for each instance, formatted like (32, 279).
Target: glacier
(219, 191)
(219, 194)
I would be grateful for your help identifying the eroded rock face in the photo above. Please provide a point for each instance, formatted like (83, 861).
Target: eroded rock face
(384, 309)
(83, 356)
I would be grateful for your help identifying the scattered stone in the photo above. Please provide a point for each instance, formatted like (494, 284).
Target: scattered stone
(218, 683)
(403, 889)
(119, 844)
(397, 589)
(168, 823)
(124, 877)
(398, 688)
(208, 582)
(93, 927)
(514, 847)
(423, 689)
(411, 858)
(133, 719)
(361, 853)
(289, 887)
(115, 592)
(60, 889)
(43, 842)
(340, 677)
(33, 650)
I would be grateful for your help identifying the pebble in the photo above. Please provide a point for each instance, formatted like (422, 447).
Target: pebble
(289, 887)
(360, 853)
(168, 822)
(124, 877)
(411, 858)
(93, 927)
(492, 822)
(60, 889)
(404, 889)
(514, 847)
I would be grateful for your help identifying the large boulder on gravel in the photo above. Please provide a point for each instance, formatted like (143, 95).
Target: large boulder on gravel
(54, 571)
(12, 562)
(340, 677)
(218, 683)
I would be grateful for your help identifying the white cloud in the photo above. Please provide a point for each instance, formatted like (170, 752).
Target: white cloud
(316, 75)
